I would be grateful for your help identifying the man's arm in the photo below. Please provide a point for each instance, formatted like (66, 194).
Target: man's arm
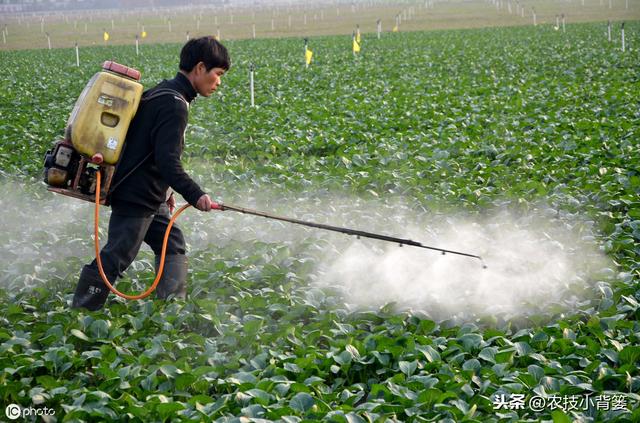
(167, 137)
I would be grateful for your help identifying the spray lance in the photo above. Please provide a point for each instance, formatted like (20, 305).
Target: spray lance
(347, 231)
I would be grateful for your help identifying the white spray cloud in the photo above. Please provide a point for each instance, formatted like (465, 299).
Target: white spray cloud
(39, 231)
(533, 262)
(536, 260)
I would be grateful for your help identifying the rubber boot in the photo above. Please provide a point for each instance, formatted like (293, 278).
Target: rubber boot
(91, 292)
(174, 277)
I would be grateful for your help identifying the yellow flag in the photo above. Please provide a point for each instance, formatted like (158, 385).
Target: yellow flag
(356, 46)
(308, 54)
(105, 36)
(144, 34)
(395, 28)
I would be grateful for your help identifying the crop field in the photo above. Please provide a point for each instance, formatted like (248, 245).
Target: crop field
(519, 144)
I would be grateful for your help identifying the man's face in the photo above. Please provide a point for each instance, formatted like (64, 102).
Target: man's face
(206, 82)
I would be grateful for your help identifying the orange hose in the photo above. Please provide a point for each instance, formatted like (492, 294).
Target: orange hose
(162, 254)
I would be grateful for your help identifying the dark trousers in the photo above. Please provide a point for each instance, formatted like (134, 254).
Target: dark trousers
(126, 234)
(125, 237)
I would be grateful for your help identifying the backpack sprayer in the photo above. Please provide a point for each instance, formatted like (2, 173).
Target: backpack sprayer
(94, 140)
(95, 134)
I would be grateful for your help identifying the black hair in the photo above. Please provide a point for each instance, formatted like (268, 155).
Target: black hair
(207, 50)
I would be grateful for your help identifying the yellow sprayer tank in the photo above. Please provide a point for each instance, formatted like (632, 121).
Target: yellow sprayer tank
(101, 116)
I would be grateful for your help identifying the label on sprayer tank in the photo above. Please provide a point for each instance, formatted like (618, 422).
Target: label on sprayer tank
(112, 143)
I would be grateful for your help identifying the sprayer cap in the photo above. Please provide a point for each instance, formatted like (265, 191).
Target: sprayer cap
(121, 70)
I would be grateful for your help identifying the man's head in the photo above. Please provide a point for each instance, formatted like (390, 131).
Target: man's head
(203, 61)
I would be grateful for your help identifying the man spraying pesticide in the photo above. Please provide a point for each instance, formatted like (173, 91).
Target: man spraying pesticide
(140, 188)
(141, 176)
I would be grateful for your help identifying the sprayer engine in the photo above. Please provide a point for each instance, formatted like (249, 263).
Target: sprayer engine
(59, 163)
(67, 172)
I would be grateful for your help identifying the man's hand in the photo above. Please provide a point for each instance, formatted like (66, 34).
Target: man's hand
(171, 202)
(205, 204)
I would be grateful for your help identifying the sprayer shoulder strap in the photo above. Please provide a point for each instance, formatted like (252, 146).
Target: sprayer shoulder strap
(165, 91)
(155, 94)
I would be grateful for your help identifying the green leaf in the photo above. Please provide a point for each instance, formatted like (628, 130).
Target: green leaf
(170, 370)
(550, 384)
(292, 367)
(343, 358)
(536, 372)
(302, 402)
(99, 329)
(167, 410)
(429, 352)
(184, 380)
(408, 367)
(79, 334)
(630, 355)
(559, 416)
(353, 351)
(522, 348)
(262, 397)
(472, 364)
(471, 341)
(488, 354)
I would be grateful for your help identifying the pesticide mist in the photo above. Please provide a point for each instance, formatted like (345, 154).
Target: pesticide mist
(535, 263)
(41, 235)
(538, 261)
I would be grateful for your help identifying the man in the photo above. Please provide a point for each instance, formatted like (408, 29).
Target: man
(149, 170)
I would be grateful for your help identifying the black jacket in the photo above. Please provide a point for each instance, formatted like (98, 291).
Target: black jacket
(157, 134)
